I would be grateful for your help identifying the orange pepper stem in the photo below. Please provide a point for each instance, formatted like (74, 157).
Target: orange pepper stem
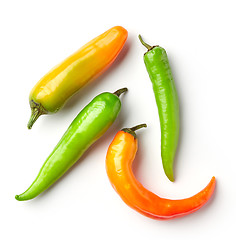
(138, 127)
(120, 91)
(133, 129)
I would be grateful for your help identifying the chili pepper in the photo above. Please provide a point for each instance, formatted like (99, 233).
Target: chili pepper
(159, 71)
(120, 156)
(89, 125)
(64, 80)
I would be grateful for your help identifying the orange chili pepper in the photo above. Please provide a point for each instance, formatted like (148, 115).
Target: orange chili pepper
(120, 156)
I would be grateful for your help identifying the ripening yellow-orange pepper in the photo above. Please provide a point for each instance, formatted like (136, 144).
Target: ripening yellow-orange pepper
(120, 156)
(58, 85)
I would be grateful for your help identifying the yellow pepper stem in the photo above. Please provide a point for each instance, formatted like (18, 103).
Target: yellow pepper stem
(36, 111)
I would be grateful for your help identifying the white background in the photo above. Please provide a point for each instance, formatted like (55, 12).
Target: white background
(199, 37)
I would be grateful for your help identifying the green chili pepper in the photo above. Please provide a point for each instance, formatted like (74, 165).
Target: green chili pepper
(159, 71)
(89, 125)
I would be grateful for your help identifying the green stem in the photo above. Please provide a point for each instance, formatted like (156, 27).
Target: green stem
(120, 91)
(144, 44)
(138, 127)
(133, 129)
(34, 116)
(36, 111)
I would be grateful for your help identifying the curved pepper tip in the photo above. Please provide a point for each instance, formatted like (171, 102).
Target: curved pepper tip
(169, 173)
(21, 197)
(213, 181)
(171, 178)
(17, 197)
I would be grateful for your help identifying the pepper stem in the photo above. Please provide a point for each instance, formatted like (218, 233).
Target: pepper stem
(133, 129)
(144, 44)
(36, 111)
(120, 91)
(138, 127)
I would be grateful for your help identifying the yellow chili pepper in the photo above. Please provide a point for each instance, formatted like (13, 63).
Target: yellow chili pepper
(64, 80)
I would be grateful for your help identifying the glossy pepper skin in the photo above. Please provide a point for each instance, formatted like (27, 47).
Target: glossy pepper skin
(120, 156)
(89, 125)
(158, 68)
(68, 77)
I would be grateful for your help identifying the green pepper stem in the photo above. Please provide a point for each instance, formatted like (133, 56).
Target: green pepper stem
(144, 44)
(35, 114)
(120, 91)
(138, 127)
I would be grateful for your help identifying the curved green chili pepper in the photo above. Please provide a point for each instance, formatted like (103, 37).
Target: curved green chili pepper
(159, 71)
(89, 125)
